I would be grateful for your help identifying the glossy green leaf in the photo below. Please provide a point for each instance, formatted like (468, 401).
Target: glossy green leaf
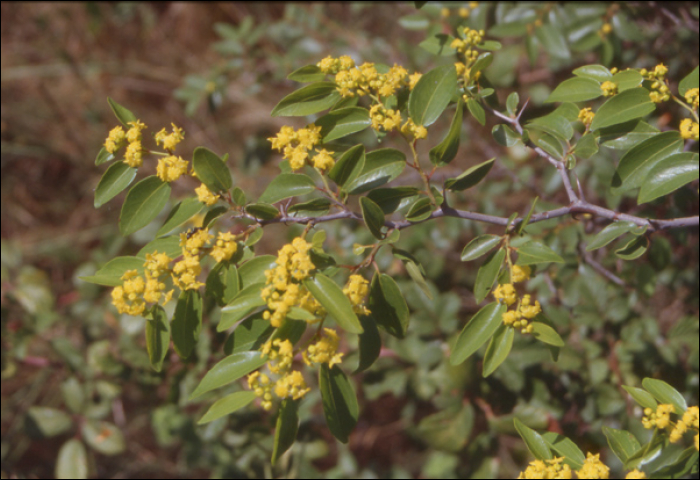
(476, 110)
(211, 170)
(110, 275)
(526, 221)
(471, 177)
(505, 136)
(157, 337)
(634, 249)
(535, 252)
(262, 211)
(254, 237)
(635, 165)
(432, 94)
(307, 74)
(50, 421)
(349, 165)
(553, 40)
(370, 343)
(480, 328)
(574, 457)
(626, 135)
(287, 185)
(533, 440)
(688, 82)
(481, 63)
(642, 397)
(587, 146)
(443, 153)
(339, 402)
(103, 437)
(381, 166)
(123, 114)
(623, 107)
(286, 428)
(238, 196)
(665, 393)
(227, 405)
(684, 465)
(187, 322)
(388, 305)
(373, 217)
(498, 349)
(578, 89)
(608, 234)
(598, 73)
(420, 210)
(308, 100)
(512, 103)
(343, 122)
(72, 462)
(117, 177)
(553, 124)
(669, 175)
(391, 199)
(550, 144)
(487, 274)
(242, 304)
(213, 214)
(103, 156)
(627, 79)
(490, 45)
(223, 283)
(228, 371)
(180, 214)
(250, 334)
(546, 334)
(253, 271)
(480, 246)
(438, 45)
(623, 444)
(414, 271)
(332, 298)
(317, 206)
(142, 204)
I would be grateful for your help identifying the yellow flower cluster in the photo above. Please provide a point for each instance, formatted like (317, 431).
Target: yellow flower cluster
(169, 140)
(636, 474)
(605, 30)
(463, 12)
(691, 96)
(323, 160)
(383, 118)
(186, 271)
(553, 468)
(356, 290)
(332, 65)
(661, 418)
(325, 350)
(471, 39)
(586, 116)
(205, 195)
(131, 297)
(365, 79)
(609, 88)
(526, 310)
(660, 91)
(465, 72)
(689, 129)
(593, 468)
(296, 144)
(171, 168)
(115, 139)
(225, 247)
(411, 130)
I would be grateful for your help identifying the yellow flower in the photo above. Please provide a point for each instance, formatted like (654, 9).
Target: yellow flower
(689, 129)
(323, 160)
(506, 293)
(609, 88)
(636, 474)
(384, 119)
(134, 155)
(510, 317)
(356, 290)
(657, 97)
(520, 273)
(169, 141)
(134, 133)
(291, 385)
(586, 116)
(413, 79)
(553, 468)
(171, 168)
(691, 96)
(296, 145)
(445, 12)
(116, 138)
(659, 419)
(410, 129)
(606, 28)
(593, 468)
(225, 247)
(660, 70)
(464, 12)
(205, 196)
(528, 310)
(325, 350)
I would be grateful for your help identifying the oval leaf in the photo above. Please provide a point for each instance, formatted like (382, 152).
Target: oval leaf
(443, 153)
(348, 166)
(253, 271)
(637, 163)
(249, 335)
(487, 274)
(72, 461)
(391, 199)
(477, 111)
(332, 298)
(534, 441)
(103, 156)
(505, 136)
(370, 343)
(546, 334)
(142, 204)
(117, 177)
(577, 89)
(642, 397)
(688, 82)
(339, 402)
(123, 114)
(471, 177)
(181, 213)
(229, 370)
(420, 210)
(566, 448)
(262, 211)
(343, 122)
(187, 322)
(438, 45)
(373, 217)
(480, 246)
(211, 170)
(480, 328)
(665, 393)
(388, 306)
(498, 349)
(104, 438)
(110, 275)
(227, 405)
(243, 304)
(286, 428)
(534, 252)
(381, 167)
(634, 249)
(157, 338)
(308, 100)
(608, 234)
(595, 72)
(50, 421)
(623, 107)
(287, 185)
(307, 74)
(432, 94)
(669, 175)
(623, 444)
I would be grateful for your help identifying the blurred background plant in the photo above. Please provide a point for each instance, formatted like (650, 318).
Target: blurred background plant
(78, 394)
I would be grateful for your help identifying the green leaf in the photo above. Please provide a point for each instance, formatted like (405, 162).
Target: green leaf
(343, 122)
(168, 245)
(50, 421)
(339, 402)
(505, 136)
(308, 100)
(157, 338)
(487, 274)
(349, 165)
(227, 405)
(447, 430)
(415, 21)
(307, 74)
(553, 40)
(432, 94)
(599, 73)
(370, 343)
(480, 328)
(578, 89)
(438, 45)
(287, 185)
(610, 233)
(546, 334)
(499, 347)
(669, 175)
(262, 211)
(491, 45)
(388, 305)
(683, 466)
(665, 393)
(623, 444)
(381, 167)
(391, 199)
(642, 397)
(103, 437)
(553, 124)
(574, 457)
(414, 271)
(180, 214)
(634, 249)
(253, 271)
(72, 461)
(223, 283)
(443, 153)
(143, 203)
(587, 146)
(250, 334)
(117, 177)
(317, 206)
(626, 135)
(420, 210)
(214, 213)
(471, 177)
(481, 63)
(238, 196)
(627, 79)
(124, 115)
(512, 103)
(228, 371)
(534, 441)
(373, 217)
(243, 304)
(547, 142)
(332, 298)
(477, 111)
(187, 322)
(110, 275)
(623, 107)
(534, 252)
(688, 82)
(523, 225)
(211, 170)
(480, 246)
(103, 156)
(286, 428)
(635, 165)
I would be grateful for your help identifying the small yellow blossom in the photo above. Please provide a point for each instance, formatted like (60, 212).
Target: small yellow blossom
(356, 290)
(510, 317)
(609, 88)
(529, 310)
(554, 468)
(323, 160)
(464, 12)
(659, 419)
(169, 140)
(520, 273)
(261, 386)
(134, 155)
(291, 385)
(606, 28)
(636, 474)
(296, 145)
(660, 71)
(506, 293)
(413, 79)
(593, 468)
(382, 118)
(410, 129)
(116, 139)
(586, 116)
(205, 196)
(225, 247)
(657, 97)
(171, 168)
(134, 133)
(691, 96)
(186, 271)
(689, 129)
(445, 12)
(325, 350)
